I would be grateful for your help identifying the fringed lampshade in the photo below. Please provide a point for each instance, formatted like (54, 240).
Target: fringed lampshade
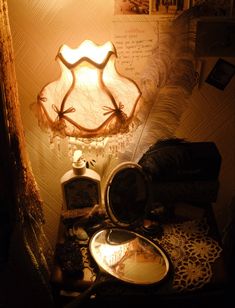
(90, 99)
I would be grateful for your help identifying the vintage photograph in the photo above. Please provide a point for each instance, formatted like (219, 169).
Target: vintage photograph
(175, 7)
(130, 7)
(170, 6)
(125, 7)
(221, 74)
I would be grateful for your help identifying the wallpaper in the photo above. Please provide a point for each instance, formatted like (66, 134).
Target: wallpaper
(39, 28)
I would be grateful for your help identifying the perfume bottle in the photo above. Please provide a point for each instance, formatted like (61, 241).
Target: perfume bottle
(80, 185)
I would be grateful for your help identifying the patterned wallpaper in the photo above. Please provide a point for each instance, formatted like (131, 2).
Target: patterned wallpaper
(211, 117)
(38, 30)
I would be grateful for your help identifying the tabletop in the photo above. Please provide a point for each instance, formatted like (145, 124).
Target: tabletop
(189, 237)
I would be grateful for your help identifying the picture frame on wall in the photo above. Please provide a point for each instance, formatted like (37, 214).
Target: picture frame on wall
(221, 74)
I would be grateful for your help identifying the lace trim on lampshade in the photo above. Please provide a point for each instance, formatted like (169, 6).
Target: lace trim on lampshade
(192, 253)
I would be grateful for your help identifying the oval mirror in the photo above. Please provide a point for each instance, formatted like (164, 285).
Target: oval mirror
(127, 194)
(126, 256)
(129, 256)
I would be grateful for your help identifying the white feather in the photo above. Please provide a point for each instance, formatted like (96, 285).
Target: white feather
(166, 84)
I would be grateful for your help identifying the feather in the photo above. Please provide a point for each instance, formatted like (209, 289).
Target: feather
(163, 159)
(166, 84)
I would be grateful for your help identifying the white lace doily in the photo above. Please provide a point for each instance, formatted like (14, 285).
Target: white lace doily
(192, 253)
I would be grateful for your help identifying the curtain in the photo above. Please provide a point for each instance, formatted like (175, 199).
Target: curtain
(28, 240)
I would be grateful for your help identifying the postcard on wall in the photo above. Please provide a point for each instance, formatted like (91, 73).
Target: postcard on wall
(137, 27)
(155, 7)
(134, 41)
(221, 74)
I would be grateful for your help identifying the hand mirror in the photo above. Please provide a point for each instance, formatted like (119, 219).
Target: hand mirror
(126, 256)
(129, 256)
(121, 254)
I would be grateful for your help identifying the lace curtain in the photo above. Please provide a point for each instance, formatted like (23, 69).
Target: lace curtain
(28, 239)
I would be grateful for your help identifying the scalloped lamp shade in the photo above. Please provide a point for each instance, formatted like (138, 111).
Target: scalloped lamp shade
(90, 99)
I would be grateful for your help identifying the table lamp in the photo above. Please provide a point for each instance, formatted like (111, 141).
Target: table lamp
(90, 102)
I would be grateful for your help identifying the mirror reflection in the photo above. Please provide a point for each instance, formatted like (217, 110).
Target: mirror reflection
(127, 195)
(129, 256)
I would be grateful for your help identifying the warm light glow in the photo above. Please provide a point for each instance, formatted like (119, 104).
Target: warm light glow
(90, 99)
(112, 254)
(88, 50)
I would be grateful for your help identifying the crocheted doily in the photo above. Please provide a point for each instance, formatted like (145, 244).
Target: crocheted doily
(192, 253)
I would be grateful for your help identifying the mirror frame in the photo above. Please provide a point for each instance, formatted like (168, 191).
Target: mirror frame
(114, 218)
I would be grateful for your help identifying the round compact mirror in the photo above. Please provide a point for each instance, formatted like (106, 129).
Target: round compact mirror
(126, 195)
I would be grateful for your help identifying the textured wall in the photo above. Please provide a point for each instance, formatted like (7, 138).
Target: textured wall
(38, 29)
(211, 117)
